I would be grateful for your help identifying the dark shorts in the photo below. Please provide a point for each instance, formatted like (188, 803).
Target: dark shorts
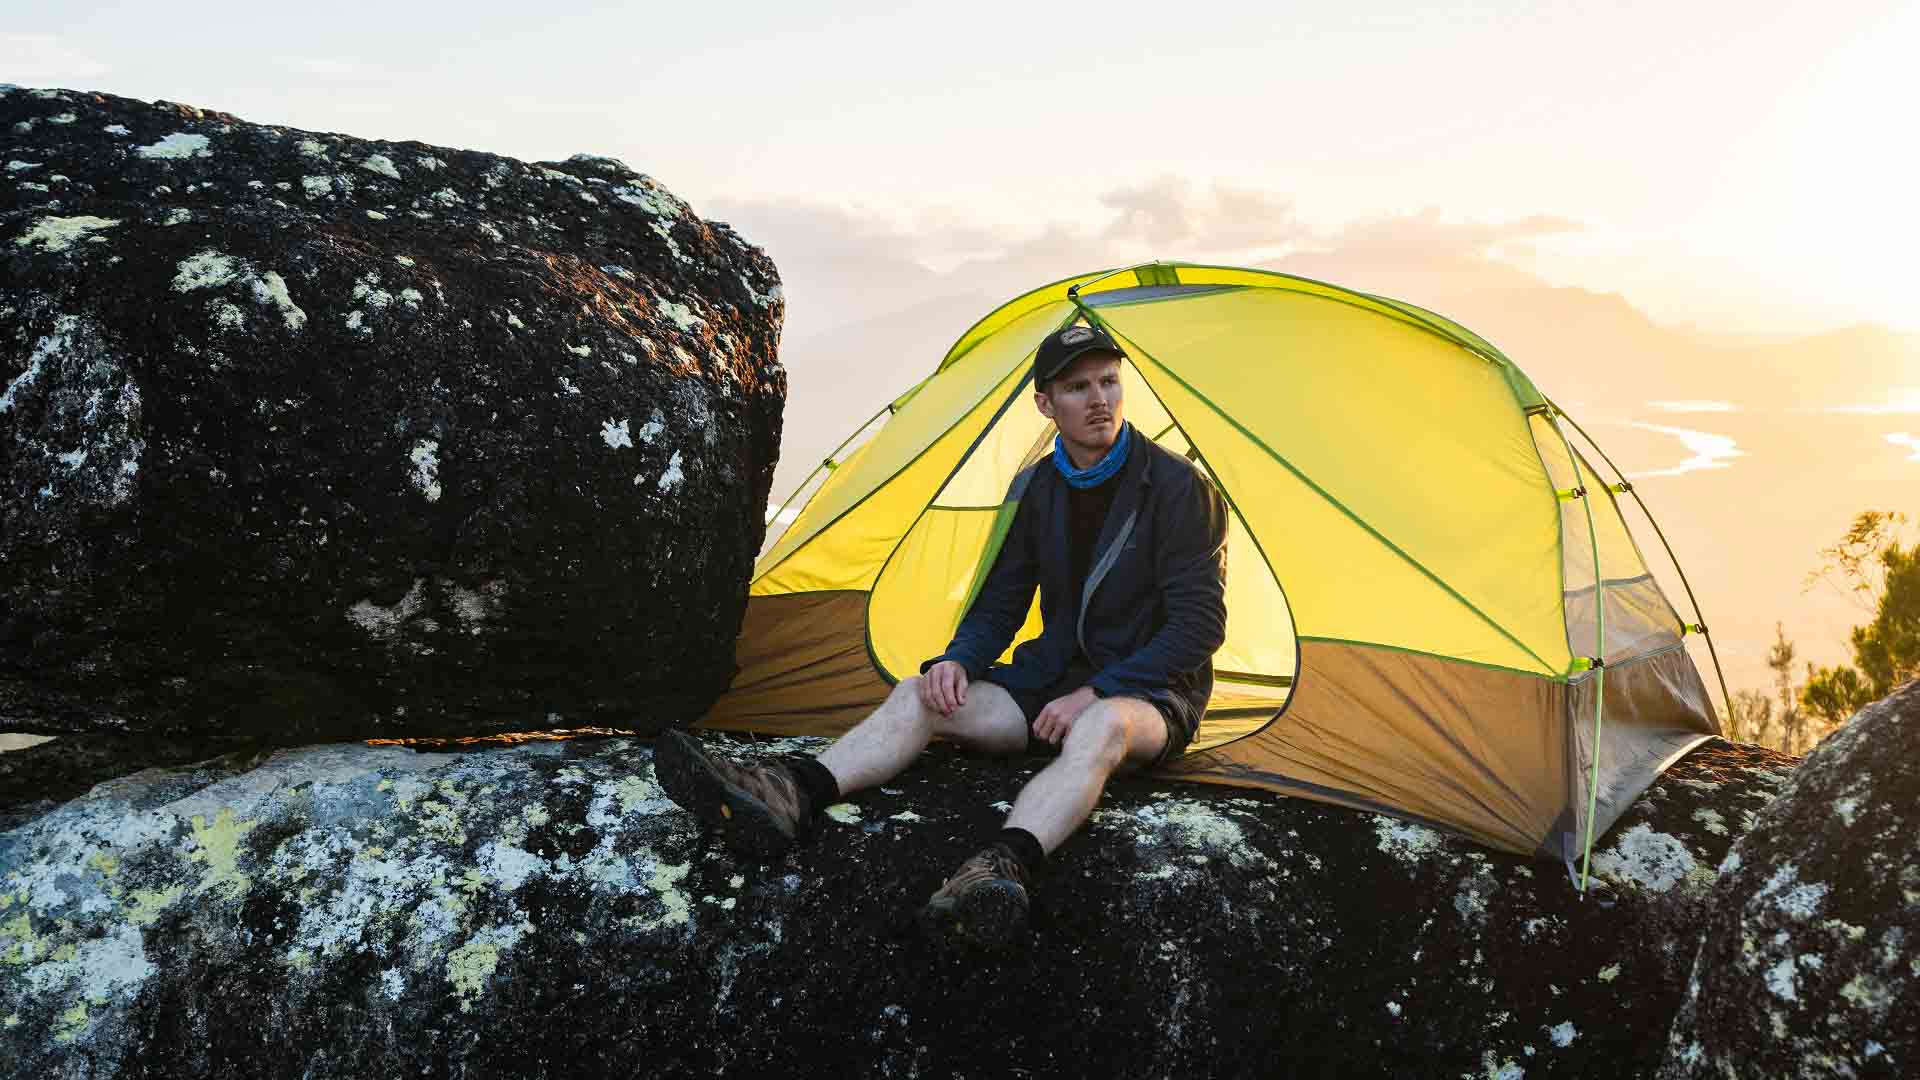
(1032, 701)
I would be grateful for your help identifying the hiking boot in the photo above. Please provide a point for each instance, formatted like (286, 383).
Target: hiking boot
(757, 809)
(984, 902)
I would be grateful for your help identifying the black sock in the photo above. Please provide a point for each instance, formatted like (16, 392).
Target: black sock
(1026, 848)
(817, 781)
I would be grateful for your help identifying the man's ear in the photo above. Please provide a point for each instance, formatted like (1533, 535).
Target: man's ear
(1044, 403)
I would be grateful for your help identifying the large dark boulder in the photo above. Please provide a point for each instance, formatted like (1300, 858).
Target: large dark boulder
(1808, 965)
(543, 910)
(306, 435)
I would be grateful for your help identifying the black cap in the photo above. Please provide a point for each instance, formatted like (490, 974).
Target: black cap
(1064, 346)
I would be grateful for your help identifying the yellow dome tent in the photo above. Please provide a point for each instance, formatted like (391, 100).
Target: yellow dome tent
(1434, 607)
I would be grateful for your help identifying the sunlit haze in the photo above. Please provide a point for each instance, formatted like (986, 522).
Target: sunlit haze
(1693, 223)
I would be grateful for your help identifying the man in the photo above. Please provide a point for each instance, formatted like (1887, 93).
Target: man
(1127, 545)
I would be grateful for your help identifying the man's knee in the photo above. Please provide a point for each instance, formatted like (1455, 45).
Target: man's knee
(1101, 732)
(903, 705)
(989, 722)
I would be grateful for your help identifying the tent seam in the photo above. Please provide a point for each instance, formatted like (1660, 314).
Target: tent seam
(1336, 504)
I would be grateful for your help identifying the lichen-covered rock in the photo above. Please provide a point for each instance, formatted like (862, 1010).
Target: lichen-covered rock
(543, 910)
(1808, 966)
(305, 435)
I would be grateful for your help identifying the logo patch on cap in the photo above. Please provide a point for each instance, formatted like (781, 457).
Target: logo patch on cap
(1074, 335)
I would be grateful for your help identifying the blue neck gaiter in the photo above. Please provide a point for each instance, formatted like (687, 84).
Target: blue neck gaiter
(1102, 470)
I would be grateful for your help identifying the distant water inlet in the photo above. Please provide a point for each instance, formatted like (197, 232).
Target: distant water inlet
(1709, 451)
(21, 742)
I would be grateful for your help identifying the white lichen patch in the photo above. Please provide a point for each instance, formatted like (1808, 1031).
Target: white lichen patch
(1648, 860)
(209, 269)
(1780, 979)
(664, 879)
(616, 435)
(907, 816)
(376, 215)
(651, 197)
(23, 166)
(270, 289)
(665, 232)
(385, 622)
(228, 317)
(380, 163)
(768, 299)
(844, 813)
(425, 474)
(56, 234)
(680, 315)
(1711, 821)
(1609, 973)
(1406, 840)
(1194, 825)
(673, 476)
(1793, 899)
(63, 118)
(316, 186)
(311, 148)
(116, 129)
(1848, 810)
(177, 146)
(1563, 1034)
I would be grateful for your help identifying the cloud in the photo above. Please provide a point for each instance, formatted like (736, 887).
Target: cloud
(1425, 237)
(46, 60)
(1709, 451)
(1901, 438)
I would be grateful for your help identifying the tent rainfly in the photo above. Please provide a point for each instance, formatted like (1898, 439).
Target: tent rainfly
(1434, 607)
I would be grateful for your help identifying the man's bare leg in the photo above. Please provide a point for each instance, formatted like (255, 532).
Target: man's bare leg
(1111, 735)
(880, 747)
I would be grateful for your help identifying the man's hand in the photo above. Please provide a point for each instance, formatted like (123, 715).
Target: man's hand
(944, 687)
(1057, 718)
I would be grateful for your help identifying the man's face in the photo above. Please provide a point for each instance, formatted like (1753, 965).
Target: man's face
(1084, 403)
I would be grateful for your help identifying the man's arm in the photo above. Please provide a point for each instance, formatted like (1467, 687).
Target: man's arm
(1192, 565)
(1001, 607)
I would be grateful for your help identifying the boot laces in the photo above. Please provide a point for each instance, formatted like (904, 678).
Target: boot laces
(991, 862)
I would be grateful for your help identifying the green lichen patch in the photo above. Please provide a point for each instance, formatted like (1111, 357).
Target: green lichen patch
(468, 969)
(217, 846)
(18, 944)
(70, 1024)
(145, 905)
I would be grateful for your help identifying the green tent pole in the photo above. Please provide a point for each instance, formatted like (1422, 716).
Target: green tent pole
(828, 462)
(1700, 617)
(1599, 648)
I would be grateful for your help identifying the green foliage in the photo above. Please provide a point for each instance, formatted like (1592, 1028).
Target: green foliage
(1751, 718)
(1870, 563)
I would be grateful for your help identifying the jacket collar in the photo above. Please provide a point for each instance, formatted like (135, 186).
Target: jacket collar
(1134, 476)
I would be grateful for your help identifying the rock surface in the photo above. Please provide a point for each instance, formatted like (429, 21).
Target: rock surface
(1809, 964)
(304, 435)
(543, 910)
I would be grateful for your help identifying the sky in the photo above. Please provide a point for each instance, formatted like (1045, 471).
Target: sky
(1687, 220)
(1733, 166)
